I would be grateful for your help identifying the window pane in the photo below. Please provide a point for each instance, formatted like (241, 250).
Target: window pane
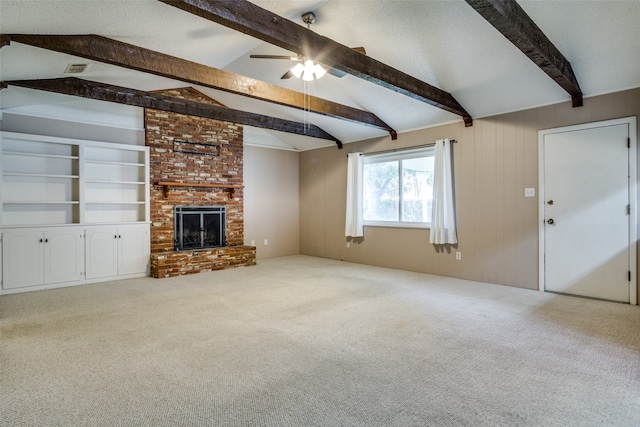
(398, 188)
(417, 189)
(381, 198)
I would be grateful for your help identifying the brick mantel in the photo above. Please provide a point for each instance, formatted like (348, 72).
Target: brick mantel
(204, 152)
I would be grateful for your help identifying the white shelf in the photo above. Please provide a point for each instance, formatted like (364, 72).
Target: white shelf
(49, 156)
(104, 181)
(101, 162)
(40, 175)
(116, 203)
(45, 202)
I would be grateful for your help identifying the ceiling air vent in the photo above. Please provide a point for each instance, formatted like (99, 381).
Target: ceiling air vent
(76, 68)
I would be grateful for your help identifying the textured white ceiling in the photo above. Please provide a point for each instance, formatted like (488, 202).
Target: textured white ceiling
(444, 43)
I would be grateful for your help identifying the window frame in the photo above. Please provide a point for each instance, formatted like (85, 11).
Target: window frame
(399, 156)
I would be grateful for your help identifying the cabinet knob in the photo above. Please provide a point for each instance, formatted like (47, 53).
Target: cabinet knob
(41, 240)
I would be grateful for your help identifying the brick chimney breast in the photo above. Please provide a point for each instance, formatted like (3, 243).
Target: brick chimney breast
(188, 149)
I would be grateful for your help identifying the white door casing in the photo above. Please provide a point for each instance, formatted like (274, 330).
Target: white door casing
(587, 179)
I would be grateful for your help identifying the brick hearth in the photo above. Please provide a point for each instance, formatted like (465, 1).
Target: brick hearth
(169, 264)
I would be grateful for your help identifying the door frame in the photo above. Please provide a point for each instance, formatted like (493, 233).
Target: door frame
(633, 197)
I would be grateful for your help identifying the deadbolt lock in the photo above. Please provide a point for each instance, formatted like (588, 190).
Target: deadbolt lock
(550, 221)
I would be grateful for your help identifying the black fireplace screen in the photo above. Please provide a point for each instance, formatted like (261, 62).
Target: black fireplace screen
(199, 227)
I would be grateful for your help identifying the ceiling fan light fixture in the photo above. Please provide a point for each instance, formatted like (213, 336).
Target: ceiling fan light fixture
(297, 70)
(309, 69)
(319, 71)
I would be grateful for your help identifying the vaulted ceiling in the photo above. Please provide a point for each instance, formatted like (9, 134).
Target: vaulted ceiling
(444, 44)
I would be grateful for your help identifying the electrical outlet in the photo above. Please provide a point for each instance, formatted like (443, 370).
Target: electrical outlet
(266, 242)
(348, 244)
(253, 243)
(458, 256)
(529, 192)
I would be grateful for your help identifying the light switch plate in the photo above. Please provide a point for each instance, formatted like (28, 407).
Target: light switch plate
(529, 192)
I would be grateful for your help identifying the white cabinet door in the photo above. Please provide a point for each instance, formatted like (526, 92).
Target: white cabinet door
(39, 256)
(63, 255)
(22, 258)
(133, 249)
(102, 252)
(117, 251)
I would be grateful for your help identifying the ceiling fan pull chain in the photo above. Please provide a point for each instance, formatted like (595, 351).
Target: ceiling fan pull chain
(305, 117)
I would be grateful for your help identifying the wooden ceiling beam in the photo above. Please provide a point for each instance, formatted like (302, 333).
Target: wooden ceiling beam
(138, 98)
(102, 49)
(514, 23)
(257, 22)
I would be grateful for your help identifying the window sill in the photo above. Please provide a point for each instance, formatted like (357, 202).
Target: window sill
(388, 224)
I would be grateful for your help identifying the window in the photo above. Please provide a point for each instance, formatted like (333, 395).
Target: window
(398, 189)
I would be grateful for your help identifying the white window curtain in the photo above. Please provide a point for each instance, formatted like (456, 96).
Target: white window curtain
(443, 220)
(355, 169)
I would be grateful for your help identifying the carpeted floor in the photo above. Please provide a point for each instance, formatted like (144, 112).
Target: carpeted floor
(301, 341)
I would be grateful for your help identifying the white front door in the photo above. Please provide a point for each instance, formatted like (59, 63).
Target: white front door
(585, 192)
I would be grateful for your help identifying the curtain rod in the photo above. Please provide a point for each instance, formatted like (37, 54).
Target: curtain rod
(393, 150)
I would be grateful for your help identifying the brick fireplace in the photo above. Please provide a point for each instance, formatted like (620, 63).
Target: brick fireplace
(194, 161)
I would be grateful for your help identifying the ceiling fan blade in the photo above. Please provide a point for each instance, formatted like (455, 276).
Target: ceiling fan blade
(290, 58)
(336, 72)
(287, 75)
(360, 49)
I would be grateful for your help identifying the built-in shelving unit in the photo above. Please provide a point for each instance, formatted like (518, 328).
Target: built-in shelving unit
(57, 181)
(40, 182)
(73, 211)
(116, 185)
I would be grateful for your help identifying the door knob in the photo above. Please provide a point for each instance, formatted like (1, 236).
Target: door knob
(550, 221)
(550, 202)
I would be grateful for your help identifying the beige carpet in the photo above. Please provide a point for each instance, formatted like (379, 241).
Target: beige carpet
(301, 341)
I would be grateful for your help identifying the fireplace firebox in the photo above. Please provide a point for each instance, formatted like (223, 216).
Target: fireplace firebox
(199, 227)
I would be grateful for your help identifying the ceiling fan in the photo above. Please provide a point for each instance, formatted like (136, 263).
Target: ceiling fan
(307, 69)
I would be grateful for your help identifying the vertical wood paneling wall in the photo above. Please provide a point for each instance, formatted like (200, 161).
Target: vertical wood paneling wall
(494, 161)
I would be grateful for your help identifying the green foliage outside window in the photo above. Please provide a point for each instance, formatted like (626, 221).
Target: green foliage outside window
(399, 190)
